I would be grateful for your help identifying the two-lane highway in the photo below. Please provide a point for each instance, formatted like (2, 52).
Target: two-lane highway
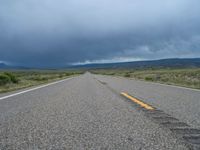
(83, 113)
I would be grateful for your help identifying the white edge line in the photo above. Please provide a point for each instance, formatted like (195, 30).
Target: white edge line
(175, 86)
(39, 87)
(162, 84)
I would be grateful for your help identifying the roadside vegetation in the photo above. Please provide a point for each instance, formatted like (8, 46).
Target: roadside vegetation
(182, 77)
(14, 80)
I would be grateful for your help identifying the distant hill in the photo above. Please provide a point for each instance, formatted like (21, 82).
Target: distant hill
(4, 66)
(163, 63)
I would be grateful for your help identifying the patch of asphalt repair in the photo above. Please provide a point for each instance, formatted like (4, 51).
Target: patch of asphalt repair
(188, 135)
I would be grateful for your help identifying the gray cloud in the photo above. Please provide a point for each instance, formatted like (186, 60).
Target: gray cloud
(56, 33)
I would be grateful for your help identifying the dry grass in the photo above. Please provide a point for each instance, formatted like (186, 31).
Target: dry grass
(33, 78)
(181, 77)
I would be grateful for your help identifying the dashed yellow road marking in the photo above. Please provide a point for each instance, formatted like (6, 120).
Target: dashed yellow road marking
(142, 104)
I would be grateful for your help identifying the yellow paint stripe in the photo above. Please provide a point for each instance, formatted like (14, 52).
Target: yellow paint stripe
(137, 101)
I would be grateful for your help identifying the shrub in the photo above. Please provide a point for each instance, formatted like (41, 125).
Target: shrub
(12, 77)
(127, 75)
(164, 79)
(60, 75)
(68, 74)
(158, 77)
(149, 78)
(112, 73)
(4, 79)
(39, 78)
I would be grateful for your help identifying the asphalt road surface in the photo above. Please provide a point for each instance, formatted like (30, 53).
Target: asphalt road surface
(87, 112)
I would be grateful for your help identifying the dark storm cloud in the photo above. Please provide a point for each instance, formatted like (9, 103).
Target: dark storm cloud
(56, 33)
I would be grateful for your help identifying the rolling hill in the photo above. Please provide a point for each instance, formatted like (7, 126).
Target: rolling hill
(163, 63)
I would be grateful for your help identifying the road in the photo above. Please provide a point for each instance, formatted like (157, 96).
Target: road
(181, 103)
(88, 112)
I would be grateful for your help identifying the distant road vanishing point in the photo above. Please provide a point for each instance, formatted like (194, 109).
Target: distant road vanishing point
(101, 112)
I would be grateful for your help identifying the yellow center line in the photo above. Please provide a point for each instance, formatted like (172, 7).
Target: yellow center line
(137, 101)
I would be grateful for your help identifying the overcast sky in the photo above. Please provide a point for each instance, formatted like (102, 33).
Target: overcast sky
(61, 32)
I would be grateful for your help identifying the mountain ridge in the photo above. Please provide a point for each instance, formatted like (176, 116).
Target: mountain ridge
(170, 62)
(161, 63)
